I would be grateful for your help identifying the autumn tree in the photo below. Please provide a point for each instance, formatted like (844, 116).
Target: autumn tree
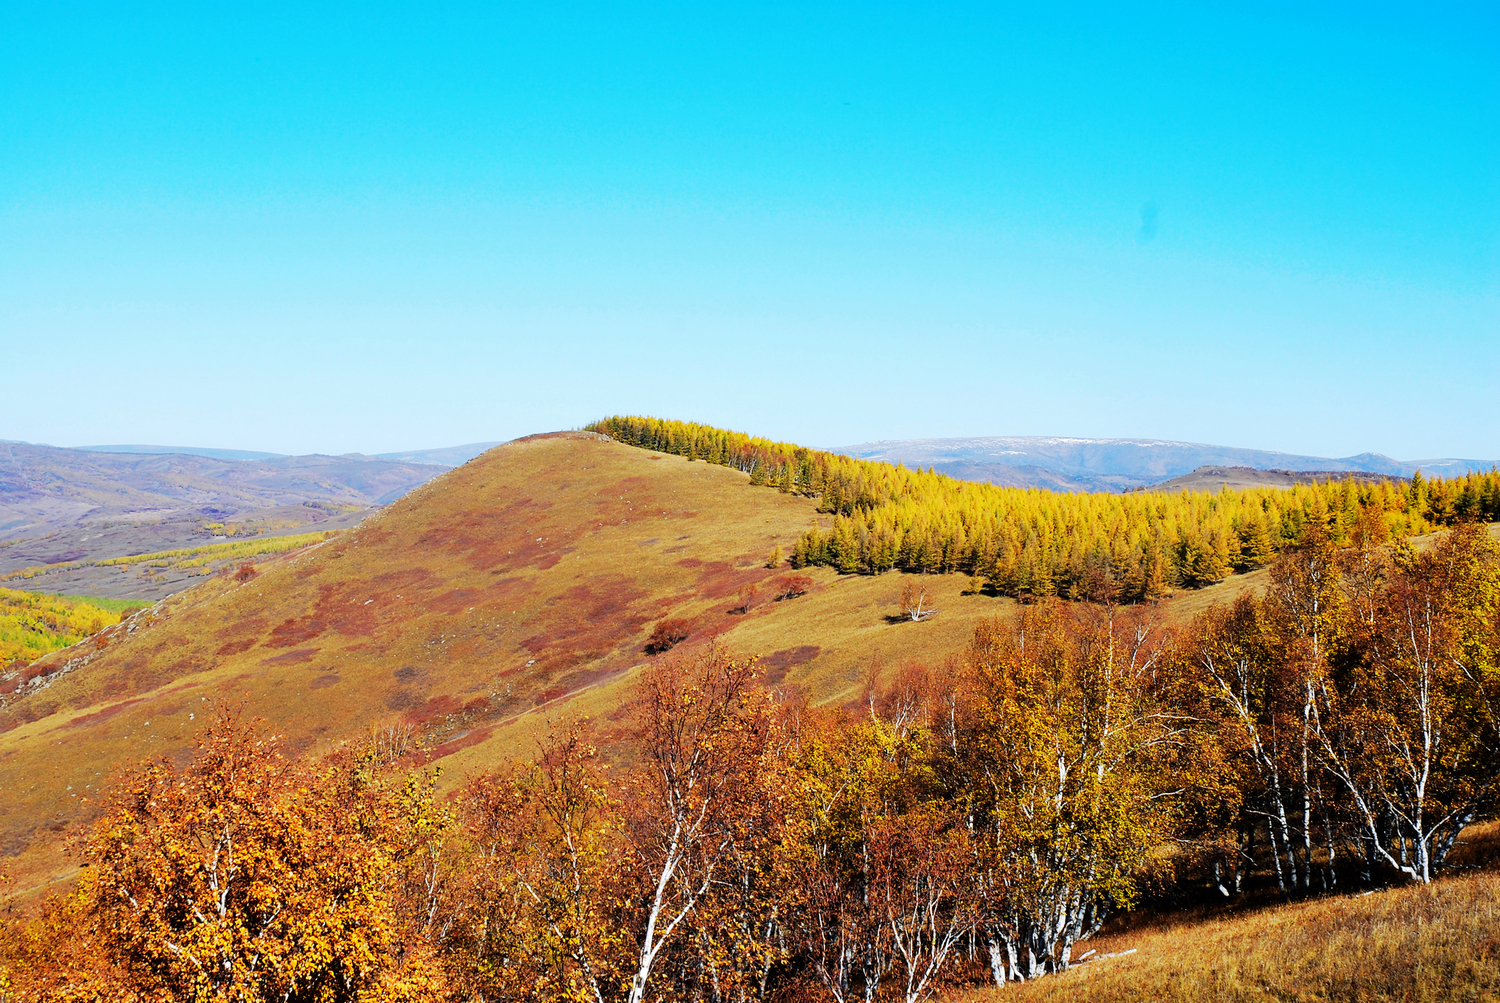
(884, 852)
(1067, 764)
(667, 634)
(1408, 730)
(244, 876)
(914, 602)
(785, 587)
(745, 597)
(703, 737)
(540, 919)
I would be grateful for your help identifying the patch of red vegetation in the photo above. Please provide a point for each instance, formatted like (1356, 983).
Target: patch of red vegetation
(292, 657)
(293, 632)
(590, 677)
(345, 609)
(327, 679)
(409, 578)
(235, 647)
(439, 706)
(103, 714)
(774, 667)
(499, 536)
(456, 601)
(720, 580)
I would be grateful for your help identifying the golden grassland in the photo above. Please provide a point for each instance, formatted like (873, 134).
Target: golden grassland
(1417, 943)
(33, 624)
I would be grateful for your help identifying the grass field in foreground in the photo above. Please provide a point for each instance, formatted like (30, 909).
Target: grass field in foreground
(1438, 942)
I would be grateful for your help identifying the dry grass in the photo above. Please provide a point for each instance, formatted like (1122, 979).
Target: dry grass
(1439, 942)
(511, 592)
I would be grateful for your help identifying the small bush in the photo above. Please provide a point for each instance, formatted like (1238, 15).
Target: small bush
(746, 599)
(245, 573)
(790, 586)
(667, 634)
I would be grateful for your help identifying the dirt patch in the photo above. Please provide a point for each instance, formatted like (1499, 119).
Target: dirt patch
(402, 700)
(328, 679)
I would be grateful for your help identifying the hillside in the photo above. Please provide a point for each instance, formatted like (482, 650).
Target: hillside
(515, 590)
(1432, 942)
(1079, 464)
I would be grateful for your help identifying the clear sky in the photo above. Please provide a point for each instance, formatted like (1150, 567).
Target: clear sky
(378, 228)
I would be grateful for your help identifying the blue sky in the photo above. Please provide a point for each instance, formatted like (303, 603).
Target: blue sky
(377, 228)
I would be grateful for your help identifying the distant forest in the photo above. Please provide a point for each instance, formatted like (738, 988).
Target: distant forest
(1033, 543)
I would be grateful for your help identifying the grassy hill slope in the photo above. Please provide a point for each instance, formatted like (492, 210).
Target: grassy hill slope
(1426, 942)
(515, 590)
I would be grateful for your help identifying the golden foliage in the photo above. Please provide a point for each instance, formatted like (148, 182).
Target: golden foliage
(1030, 542)
(32, 623)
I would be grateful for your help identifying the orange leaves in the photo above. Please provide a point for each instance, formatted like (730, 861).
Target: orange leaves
(245, 876)
(666, 635)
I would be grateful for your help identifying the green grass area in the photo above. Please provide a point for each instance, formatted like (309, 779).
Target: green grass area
(122, 606)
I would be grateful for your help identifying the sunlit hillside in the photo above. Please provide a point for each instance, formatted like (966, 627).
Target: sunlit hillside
(517, 589)
(1423, 942)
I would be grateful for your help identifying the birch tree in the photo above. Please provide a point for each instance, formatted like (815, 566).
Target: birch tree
(1409, 731)
(703, 733)
(1065, 757)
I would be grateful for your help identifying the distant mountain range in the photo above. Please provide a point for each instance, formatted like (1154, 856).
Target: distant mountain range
(72, 504)
(1072, 464)
(448, 456)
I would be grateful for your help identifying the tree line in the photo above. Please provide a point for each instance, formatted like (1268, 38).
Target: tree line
(971, 821)
(1038, 543)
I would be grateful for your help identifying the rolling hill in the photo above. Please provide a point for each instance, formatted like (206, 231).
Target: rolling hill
(1076, 464)
(513, 591)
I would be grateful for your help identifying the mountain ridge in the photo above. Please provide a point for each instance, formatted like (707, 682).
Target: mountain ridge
(1076, 463)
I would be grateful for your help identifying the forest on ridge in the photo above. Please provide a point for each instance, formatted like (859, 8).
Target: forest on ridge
(1035, 543)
